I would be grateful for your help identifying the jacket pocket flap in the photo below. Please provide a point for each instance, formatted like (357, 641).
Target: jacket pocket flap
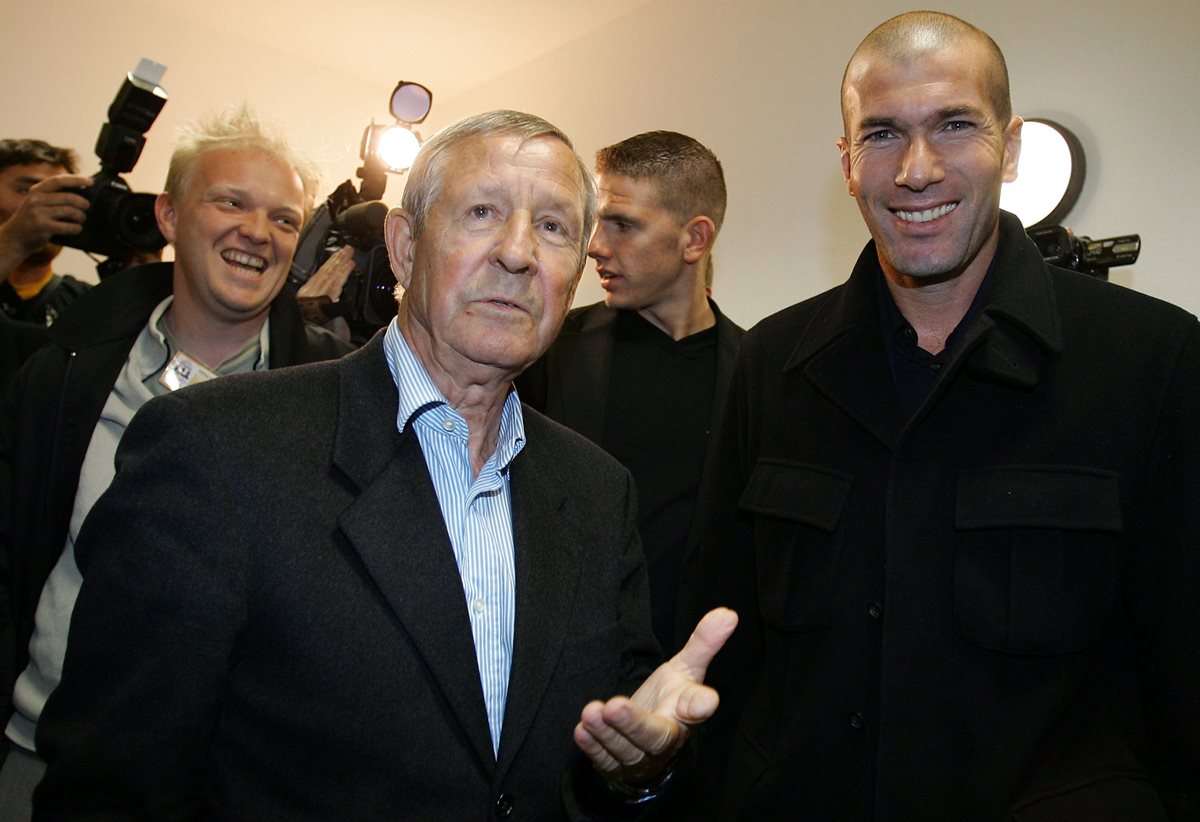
(803, 493)
(1060, 497)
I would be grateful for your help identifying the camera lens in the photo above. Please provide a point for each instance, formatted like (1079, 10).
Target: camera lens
(135, 224)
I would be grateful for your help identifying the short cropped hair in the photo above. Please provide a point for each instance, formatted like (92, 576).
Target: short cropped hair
(686, 175)
(915, 34)
(427, 175)
(235, 129)
(36, 152)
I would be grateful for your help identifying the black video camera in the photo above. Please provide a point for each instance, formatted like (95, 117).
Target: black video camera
(367, 302)
(120, 222)
(1061, 247)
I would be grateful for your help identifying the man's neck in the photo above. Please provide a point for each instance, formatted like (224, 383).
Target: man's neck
(477, 392)
(208, 339)
(678, 318)
(935, 308)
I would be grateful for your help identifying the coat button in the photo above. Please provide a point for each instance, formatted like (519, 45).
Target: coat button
(504, 806)
(875, 610)
(856, 721)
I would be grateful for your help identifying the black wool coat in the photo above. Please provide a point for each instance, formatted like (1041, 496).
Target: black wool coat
(987, 612)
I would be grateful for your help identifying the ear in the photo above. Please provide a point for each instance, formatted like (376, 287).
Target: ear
(398, 235)
(165, 214)
(700, 232)
(1012, 148)
(844, 149)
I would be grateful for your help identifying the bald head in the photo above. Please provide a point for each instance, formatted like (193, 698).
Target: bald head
(909, 37)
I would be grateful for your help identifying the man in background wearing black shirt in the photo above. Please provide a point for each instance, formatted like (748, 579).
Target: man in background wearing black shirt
(644, 373)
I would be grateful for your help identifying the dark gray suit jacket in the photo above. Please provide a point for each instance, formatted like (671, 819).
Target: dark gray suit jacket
(272, 624)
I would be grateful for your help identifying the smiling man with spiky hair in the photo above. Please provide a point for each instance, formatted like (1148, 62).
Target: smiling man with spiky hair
(236, 198)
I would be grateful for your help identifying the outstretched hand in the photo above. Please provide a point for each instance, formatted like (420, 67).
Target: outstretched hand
(632, 739)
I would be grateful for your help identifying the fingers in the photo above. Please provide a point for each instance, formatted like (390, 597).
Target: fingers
(53, 206)
(59, 198)
(618, 736)
(330, 278)
(696, 703)
(63, 182)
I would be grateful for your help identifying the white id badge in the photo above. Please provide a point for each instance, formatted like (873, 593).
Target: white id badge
(183, 371)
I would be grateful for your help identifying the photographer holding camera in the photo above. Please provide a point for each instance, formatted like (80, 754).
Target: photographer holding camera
(236, 197)
(38, 199)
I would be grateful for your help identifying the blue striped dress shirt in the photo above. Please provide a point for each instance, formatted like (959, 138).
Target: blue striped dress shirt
(477, 513)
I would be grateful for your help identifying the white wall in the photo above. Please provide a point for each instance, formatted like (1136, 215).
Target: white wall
(757, 81)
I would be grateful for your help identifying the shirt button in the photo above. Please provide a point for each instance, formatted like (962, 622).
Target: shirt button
(504, 806)
(875, 610)
(856, 721)
(447, 425)
(478, 605)
(935, 366)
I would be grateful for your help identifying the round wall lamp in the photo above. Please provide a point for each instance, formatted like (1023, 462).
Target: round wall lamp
(1050, 174)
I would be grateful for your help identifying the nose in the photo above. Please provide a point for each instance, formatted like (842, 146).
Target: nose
(921, 165)
(256, 226)
(598, 245)
(515, 251)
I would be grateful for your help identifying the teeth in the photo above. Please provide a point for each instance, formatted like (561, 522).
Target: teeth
(926, 215)
(247, 260)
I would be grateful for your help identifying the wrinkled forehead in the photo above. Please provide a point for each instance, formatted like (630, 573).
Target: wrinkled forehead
(513, 164)
(953, 75)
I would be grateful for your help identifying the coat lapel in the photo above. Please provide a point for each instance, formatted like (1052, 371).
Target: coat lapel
(548, 568)
(579, 393)
(842, 354)
(395, 527)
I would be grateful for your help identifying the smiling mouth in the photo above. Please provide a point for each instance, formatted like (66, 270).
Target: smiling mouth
(250, 263)
(928, 215)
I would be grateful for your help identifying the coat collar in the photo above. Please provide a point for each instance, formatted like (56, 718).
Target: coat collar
(580, 396)
(117, 309)
(842, 350)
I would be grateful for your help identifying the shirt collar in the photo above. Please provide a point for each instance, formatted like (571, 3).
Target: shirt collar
(899, 332)
(158, 331)
(416, 389)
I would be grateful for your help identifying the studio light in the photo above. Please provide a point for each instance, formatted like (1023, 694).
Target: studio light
(397, 147)
(1050, 174)
(393, 148)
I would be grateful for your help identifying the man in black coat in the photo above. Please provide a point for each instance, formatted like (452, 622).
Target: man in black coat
(643, 374)
(378, 588)
(236, 197)
(956, 499)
